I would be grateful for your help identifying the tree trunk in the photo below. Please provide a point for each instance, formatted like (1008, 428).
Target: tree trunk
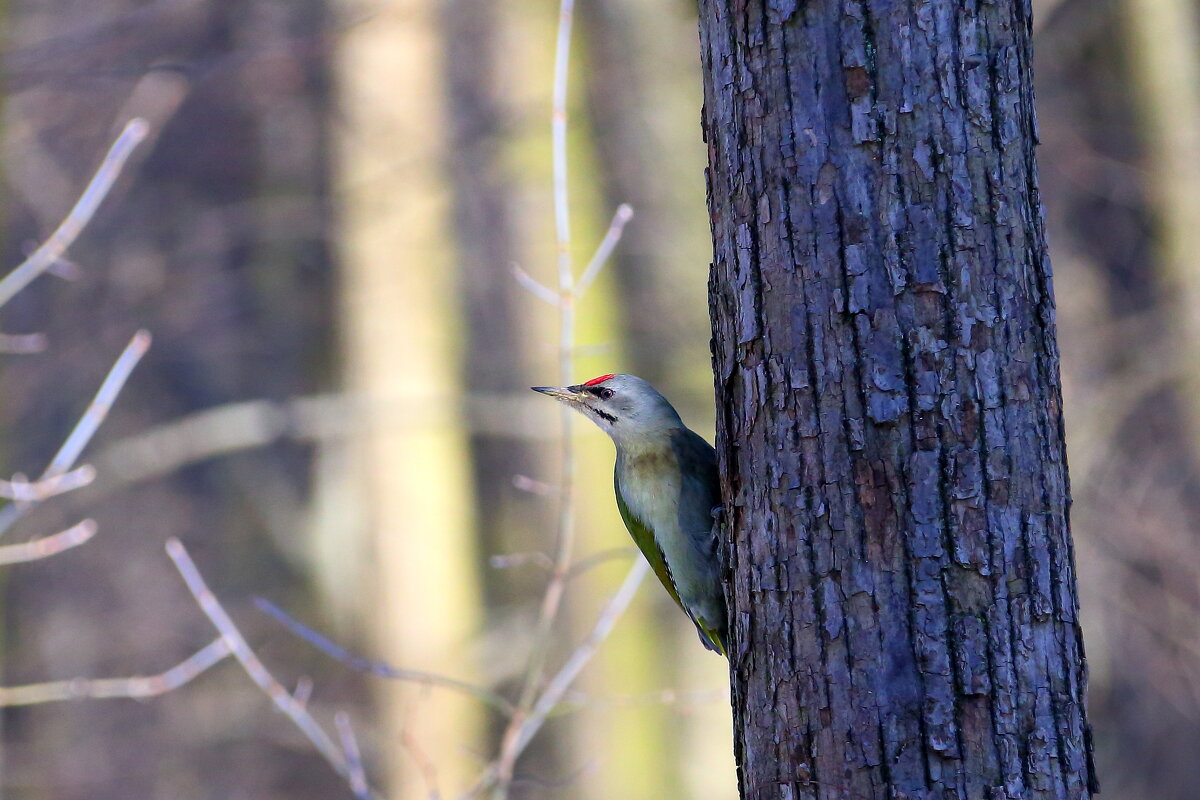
(905, 619)
(1163, 49)
(401, 362)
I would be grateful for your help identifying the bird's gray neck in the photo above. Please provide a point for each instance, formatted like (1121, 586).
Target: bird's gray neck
(632, 444)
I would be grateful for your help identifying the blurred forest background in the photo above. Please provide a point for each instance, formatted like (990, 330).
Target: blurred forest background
(335, 416)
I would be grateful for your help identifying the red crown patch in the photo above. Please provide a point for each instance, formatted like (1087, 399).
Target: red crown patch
(601, 379)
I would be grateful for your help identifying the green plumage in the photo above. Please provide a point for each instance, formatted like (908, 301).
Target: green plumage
(643, 537)
(667, 489)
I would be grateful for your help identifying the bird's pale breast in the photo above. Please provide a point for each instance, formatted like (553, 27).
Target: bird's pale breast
(655, 493)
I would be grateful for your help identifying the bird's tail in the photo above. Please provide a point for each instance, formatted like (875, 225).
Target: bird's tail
(711, 639)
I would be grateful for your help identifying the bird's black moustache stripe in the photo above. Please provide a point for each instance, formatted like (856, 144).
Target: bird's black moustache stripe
(605, 415)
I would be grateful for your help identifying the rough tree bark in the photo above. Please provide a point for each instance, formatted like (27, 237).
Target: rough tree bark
(902, 581)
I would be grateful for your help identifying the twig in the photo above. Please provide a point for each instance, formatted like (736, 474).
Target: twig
(607, 245)
(552, 599)
(596, 559)
(424, 764)
(283, 700)
(66, 233)
(234, 427)
(558, 133)
(683, 700)
(534, 286)
(583, 654)
(98, 409)
(511, 560)
(358, 778)
(521, 731)
(48, 546)
(499, 776)
(334, 650)
(104, 688)
(304, 690)
(542, 561)
(22, 343)
(218, 431)
(21, 490)
(85, 429)
(524, 483)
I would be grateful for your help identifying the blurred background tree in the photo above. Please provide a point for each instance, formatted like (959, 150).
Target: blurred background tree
(324, 219)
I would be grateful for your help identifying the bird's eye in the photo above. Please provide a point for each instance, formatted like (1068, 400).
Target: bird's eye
(605, 394)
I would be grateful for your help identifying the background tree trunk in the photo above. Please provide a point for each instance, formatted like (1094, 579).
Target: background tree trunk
(402, 363)
(1163, 44)
(903, 592)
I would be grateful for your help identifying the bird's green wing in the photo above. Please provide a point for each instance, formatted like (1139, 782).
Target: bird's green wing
(710, 637)
(643, 537)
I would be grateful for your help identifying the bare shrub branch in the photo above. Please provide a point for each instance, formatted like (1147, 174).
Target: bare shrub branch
(98, 409)
(581, 656)
(555, 588)
(534, 704)
(21, 344)
(70, 228)
(611, 239)
(60, 466)
(21, 490)
(105, 688)
(535, 287)
(357, 662)
(358, 778)
(48, 546)
(293, 708)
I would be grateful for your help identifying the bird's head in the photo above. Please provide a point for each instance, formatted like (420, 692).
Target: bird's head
(624, 406)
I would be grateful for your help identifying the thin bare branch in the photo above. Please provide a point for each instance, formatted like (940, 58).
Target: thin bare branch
(558, 132)
(534, 286)
(513, 560)
(544, 562)
(499, 778)
(605, 250)
(105, 688)
(357, 662)
(524, 727)
(85, 428)
(358, 778)
(70, 228)
(21, 344)
(602, 557)
(583, 654)
(218, 431)
(61, 268)
(424, 764)
(283, 700)
(234, 427)
(98, 409)
(525, 483)
(65, 269)
(684, 701)
(48, 546)
(304, 690)
(552, 599)
(21, 490)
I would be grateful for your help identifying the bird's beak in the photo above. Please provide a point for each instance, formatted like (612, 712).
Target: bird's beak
(569, 394)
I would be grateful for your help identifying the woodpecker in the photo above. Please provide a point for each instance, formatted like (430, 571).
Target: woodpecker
(667, 491)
